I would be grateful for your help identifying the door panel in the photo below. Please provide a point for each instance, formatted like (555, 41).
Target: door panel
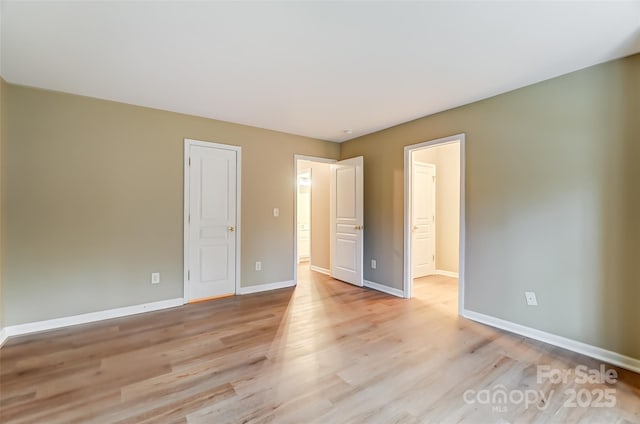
(345, 255)
(213, 263)
(346, 181)
(347, 218)
(212, 222)
(215, 182)
(423, 216)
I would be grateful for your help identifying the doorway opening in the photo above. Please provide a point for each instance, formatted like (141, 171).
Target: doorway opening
(434, 220)
(304, 211)
(312, 219)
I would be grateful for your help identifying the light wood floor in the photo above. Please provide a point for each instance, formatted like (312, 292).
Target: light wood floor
(324, 352)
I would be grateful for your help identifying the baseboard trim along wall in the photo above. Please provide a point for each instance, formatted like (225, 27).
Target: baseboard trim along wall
(266, 287)
(599, 353)
(3, 336)
(51, 324)
(385, 289)
(447, 273)
(320, 270)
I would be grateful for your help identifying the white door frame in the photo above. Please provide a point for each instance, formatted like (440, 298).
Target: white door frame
(408, 205)
(296, 158)
(187, 146)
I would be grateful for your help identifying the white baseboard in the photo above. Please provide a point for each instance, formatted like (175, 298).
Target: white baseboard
(3, 336)
(266, 287)
(447, 273)
(385, 289)
(320, 270)
(51, 324)
(613, 358)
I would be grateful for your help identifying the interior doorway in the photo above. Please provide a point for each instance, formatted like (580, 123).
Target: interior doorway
(303, 219)
(434, 216)
(312, 219)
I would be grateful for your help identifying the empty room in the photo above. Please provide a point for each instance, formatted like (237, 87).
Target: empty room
(319, 212)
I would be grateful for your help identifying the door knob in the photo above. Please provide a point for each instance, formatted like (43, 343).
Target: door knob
(232, 229)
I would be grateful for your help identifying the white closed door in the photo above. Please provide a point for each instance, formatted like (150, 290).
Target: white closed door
(212, 235)
(423, 216)
(347, 220)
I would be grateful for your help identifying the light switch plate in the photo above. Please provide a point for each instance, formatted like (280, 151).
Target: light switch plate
(155, 278)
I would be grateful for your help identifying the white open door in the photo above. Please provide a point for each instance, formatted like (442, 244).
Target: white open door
(423, 215)
(211, 209)
(347, 220)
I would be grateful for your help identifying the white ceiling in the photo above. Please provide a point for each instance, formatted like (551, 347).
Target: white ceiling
(309, 68)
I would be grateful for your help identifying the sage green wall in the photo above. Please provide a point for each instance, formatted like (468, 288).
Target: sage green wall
(552, 202)
(95, 202)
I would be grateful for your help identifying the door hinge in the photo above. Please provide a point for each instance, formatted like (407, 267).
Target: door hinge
(189, 219)
(189, 160)
(189, 275)
(433, 258)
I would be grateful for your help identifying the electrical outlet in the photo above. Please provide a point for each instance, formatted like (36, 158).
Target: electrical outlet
(258, 266)
(276, 212)
(531, 298)
(374, 264)
(155, 278)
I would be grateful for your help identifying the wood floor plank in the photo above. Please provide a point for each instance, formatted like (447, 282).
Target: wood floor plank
(323, 352)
